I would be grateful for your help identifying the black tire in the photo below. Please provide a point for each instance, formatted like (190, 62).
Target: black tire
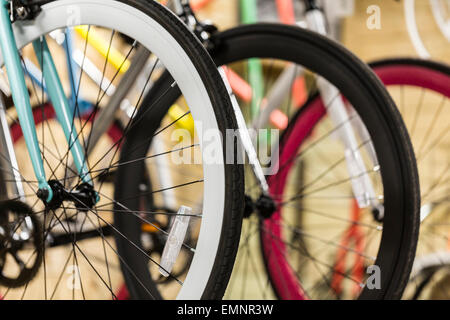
(355, 80)
(136, 145)
(429, 82)
(432, 79)
(380, 115)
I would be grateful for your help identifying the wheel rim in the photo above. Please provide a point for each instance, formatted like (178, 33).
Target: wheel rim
(392, 74)
(55, 15)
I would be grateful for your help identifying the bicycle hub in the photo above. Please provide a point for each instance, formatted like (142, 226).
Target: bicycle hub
(83, 197)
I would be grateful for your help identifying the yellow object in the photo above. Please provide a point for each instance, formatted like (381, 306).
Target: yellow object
(186, 122)
(117, 59)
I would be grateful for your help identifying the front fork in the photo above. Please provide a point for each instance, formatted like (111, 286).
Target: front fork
(21, 100)
(341, 117)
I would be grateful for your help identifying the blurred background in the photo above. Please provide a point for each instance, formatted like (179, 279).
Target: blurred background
(350, 25)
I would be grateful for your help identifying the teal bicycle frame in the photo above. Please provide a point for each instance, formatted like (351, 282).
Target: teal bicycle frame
(22, 103)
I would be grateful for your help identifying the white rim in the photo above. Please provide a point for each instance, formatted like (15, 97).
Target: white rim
(411, 24)
(413, 28)
(128, 20)
(443, 22)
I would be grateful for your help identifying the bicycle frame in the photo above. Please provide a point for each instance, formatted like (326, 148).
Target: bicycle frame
(22, 103)
(340, 115)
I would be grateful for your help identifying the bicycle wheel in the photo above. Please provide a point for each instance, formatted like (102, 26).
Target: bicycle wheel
(394, 174)
(423, 15)
(422, 93)
(430, 276)
(73, 249)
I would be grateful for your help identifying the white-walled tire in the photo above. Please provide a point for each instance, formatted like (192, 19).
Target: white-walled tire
(197, 78)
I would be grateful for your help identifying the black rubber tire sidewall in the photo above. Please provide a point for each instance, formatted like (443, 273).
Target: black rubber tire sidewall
(359, 84)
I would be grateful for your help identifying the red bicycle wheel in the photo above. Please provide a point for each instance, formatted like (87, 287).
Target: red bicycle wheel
(427, 85)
